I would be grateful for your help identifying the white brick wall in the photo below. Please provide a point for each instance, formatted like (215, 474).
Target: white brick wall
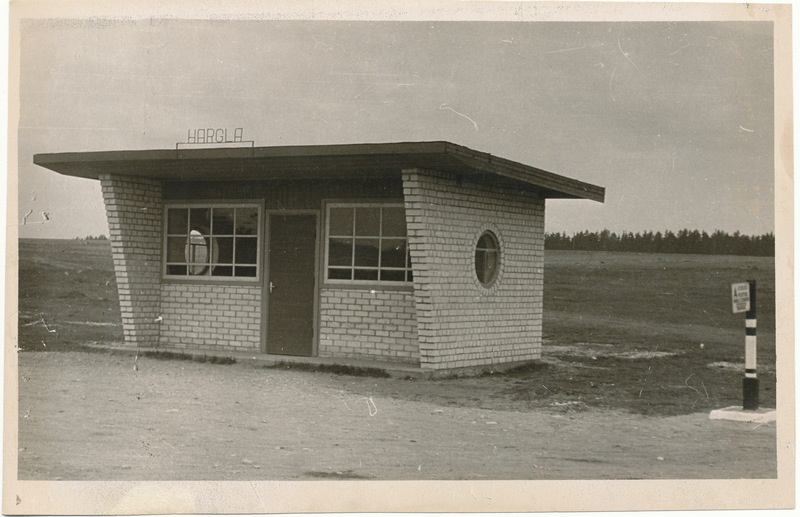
(448, 321)
(133, 208)
(461, 323)
(206, 316)
(368, 324)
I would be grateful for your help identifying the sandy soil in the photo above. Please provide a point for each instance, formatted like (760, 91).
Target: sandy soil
(92, 416)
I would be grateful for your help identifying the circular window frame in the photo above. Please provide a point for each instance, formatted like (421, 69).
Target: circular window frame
(488, 287)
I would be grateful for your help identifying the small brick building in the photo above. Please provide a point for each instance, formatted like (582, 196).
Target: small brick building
(428, 253)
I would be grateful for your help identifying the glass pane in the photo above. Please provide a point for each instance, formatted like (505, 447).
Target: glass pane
(486, 266)
(394, 222)
(178, 221)
(365, 274)
(223, 221)
(340, 252)
(246, 250)
(339, 274)
(340, 222)
(222, 271)
(480, 265)
(247, 221)
(392, 276)
(368, 222)
(200, 219)
(491, 266)
(224, 252)
(409, 276)
(486, 242)
(175, 249)
(246, 271)
(393, 253)
(367, 252)
(176, 270)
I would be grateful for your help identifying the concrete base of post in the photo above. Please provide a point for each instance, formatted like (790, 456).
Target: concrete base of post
(736, 413)
(750, 393)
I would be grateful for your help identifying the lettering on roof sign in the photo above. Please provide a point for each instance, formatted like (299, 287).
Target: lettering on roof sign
(215, 136)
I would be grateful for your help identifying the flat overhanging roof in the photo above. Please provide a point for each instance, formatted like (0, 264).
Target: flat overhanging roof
(320, 162)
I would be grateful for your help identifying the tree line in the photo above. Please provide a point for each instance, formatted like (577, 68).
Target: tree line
(684, 241)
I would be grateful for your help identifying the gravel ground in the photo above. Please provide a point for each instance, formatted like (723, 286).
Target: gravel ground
(92, 416)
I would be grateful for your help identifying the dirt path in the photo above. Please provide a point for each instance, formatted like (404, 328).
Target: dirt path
(92, 416)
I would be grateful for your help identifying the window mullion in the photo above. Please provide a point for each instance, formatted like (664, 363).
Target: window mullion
(353, 247)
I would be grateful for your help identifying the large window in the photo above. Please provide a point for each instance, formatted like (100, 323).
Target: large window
(212, 241)
(367, 244)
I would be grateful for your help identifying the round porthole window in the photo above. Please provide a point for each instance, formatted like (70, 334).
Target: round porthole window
(487, 258)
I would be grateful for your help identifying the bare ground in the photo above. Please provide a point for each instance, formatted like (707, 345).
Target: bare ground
(92, 416)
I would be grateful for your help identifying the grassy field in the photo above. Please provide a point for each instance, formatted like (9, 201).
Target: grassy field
(656, 331)
(651, 334)
(67, 294)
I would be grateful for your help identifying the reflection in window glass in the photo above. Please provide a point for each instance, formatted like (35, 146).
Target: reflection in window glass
(366, 252)
(223, 221)
(340, 252)
(247, 221)
(393, 253)
(200, 219)
(379, 251)
(218, 241)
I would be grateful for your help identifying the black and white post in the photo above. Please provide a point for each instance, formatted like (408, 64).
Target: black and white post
(750, 381)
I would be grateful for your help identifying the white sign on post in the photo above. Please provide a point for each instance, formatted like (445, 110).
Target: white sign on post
(740, 294)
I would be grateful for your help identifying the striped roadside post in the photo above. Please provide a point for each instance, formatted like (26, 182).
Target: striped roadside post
(750, 381)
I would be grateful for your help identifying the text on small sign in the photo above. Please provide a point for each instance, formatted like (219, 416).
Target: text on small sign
(740, 294)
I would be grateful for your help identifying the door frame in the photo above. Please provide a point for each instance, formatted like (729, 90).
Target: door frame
(265, 286)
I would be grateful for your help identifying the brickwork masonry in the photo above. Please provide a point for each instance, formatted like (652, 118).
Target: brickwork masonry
(462, 324)
(368, 324)
(133, 209)
(211, 317)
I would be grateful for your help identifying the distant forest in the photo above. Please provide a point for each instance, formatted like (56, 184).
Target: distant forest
(685, 241)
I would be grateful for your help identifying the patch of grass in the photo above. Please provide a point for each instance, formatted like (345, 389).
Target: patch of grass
(337, 369)
(178, 356)
(534, 367)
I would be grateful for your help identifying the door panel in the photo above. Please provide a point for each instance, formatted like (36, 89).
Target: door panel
(291, 288)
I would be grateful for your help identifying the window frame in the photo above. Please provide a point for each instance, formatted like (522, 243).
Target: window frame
(486, 252)
(407, 269)
(258, 236)
(490, 284)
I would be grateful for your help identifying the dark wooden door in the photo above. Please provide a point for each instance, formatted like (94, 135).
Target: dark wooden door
(292, 270)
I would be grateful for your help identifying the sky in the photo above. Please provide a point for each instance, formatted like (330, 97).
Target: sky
(674, 119)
